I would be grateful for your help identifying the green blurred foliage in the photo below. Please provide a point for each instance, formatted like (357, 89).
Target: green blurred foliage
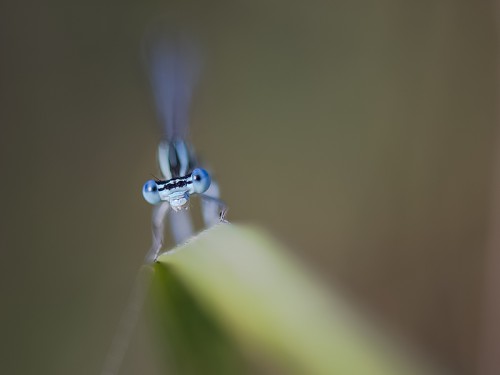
(233, 289)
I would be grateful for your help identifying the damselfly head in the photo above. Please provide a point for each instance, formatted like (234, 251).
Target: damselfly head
(178, 190)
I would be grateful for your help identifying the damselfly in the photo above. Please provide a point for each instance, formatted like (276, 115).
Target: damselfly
(173, 63)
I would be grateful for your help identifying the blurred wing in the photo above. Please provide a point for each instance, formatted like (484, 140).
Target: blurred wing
(174, 64)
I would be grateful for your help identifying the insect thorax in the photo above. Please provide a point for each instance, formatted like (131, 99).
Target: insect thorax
(176, 159)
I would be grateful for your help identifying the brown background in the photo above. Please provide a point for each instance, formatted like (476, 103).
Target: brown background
(362, 134)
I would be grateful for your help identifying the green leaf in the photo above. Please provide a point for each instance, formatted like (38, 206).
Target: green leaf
(233, 293)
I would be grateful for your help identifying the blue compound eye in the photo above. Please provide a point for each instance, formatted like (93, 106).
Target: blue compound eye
(201, 180)
(150, 192)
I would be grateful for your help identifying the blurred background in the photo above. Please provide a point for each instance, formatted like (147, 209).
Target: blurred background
(361, 134)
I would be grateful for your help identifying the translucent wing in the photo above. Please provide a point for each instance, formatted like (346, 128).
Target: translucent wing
(173, 61)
